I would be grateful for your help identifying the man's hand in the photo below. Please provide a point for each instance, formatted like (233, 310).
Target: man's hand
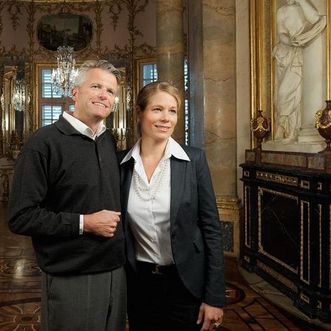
(102, 223)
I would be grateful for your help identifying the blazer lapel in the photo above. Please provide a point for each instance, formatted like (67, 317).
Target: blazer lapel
(126, 176)
(178, 170)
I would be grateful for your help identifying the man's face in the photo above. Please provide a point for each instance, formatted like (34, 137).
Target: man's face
(96, 95)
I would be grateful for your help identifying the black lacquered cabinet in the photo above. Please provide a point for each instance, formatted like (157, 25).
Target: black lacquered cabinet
(287, 229)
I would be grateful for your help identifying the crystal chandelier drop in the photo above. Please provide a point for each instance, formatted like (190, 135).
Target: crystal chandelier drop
(20, 98)
(64, 75)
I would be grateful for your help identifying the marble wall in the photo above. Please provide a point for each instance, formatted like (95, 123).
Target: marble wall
(219, 50)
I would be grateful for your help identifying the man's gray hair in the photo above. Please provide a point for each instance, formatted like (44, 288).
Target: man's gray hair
(96, 64)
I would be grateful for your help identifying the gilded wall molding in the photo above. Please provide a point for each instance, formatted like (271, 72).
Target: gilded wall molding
(99, 26)
(14, 12)
(114, 9)
(2, 5)
(95, 8)
(228, 203)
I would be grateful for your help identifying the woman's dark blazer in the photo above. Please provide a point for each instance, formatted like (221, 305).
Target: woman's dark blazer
(195, 229)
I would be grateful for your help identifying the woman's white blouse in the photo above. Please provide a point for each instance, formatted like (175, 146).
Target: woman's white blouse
(149, 206)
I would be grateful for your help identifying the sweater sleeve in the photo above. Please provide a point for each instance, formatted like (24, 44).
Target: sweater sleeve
(27, 212)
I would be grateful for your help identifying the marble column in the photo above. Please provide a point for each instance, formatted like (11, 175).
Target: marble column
(219, 67)
(170, 51)
(212, 57)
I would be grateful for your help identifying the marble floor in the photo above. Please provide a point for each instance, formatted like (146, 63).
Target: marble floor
(20, 293)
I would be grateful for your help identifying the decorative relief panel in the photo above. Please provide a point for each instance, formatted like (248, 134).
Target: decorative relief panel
(290, 159)
(277, 178)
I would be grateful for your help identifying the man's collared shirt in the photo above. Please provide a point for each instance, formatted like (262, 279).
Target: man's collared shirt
(83, 128)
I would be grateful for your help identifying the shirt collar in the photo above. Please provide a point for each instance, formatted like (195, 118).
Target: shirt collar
(172, 149)
(82, 127)
(176, 150)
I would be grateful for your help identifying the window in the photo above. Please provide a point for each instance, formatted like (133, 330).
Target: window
(50, 104)
(149, 73)
(46, 84)
(50, 114)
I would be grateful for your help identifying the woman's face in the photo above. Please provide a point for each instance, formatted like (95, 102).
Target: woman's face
(159, 118)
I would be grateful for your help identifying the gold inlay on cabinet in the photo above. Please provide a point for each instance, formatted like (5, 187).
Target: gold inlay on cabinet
(277, 178)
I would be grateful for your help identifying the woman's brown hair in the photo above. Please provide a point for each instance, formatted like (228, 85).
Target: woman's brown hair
(151, 89)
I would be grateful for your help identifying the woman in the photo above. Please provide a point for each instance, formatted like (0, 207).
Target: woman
(174, 242)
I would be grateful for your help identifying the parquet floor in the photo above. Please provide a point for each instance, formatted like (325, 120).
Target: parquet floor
(20, 292)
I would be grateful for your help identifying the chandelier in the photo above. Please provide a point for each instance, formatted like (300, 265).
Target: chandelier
(20, 98)
(64, 75)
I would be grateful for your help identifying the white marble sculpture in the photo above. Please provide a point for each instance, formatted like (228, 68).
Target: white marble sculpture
(298, 23)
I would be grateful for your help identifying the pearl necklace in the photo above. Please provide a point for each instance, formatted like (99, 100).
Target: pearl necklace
(145, 192)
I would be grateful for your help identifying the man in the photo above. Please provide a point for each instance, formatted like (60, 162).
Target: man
(65, 195)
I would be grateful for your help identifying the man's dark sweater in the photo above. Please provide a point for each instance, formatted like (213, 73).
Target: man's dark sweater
(59, 175)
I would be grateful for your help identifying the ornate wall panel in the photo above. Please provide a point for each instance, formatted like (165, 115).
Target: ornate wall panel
(116, 36)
